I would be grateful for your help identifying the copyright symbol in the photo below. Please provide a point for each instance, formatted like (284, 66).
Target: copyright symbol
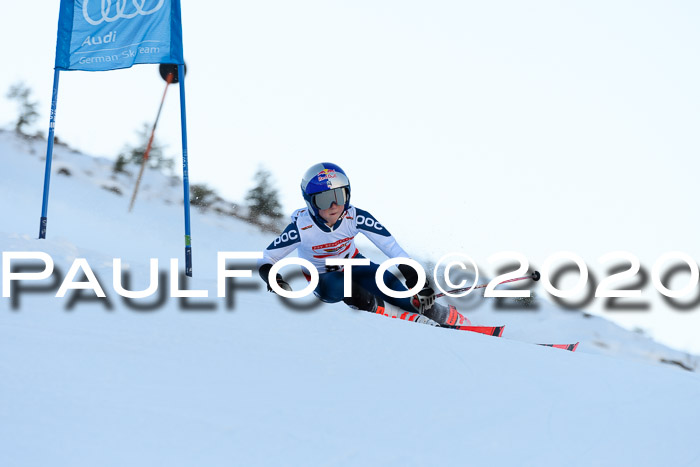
(449, 262)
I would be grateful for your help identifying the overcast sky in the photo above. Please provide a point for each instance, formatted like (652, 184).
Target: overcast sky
(464, 126)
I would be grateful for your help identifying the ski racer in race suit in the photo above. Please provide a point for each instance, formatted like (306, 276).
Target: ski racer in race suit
(326, 228)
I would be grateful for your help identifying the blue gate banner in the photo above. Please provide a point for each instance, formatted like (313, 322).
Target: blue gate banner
(100, 35)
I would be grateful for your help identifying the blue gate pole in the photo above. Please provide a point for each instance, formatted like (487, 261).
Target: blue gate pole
(185, 171)
(49, 156)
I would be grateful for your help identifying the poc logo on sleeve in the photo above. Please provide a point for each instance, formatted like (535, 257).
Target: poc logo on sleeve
(369, 222)
(286, 237)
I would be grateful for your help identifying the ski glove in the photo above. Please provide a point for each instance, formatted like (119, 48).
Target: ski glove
(425, 299)
(281, 283)
(264, 271)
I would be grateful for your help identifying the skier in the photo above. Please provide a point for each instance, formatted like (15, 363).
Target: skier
(326, 228)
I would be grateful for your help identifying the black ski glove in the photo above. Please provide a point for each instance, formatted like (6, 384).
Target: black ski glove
(282, 284)
(264, 271)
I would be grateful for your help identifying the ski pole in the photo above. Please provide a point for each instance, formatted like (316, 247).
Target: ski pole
(535, 276)
(168, 80)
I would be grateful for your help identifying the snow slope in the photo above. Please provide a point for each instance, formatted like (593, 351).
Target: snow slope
(260, 382)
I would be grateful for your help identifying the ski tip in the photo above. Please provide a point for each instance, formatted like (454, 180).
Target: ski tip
(569, 347)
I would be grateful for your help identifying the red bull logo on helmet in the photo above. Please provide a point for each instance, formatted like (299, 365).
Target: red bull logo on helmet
(326, 174)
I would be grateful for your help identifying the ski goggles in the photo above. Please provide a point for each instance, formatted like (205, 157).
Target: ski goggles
(325, 199)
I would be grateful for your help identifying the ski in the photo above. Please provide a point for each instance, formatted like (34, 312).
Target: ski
(496, 331)
(397, 313)
(456, 320)
(453, 319)
(569, 347)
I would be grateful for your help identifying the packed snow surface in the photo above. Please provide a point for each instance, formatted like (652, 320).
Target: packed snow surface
(252, 380)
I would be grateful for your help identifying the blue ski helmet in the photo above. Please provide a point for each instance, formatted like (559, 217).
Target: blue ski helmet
(323, 184)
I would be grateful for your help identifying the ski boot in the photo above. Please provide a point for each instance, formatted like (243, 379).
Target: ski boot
(446, 316)
(363, 300)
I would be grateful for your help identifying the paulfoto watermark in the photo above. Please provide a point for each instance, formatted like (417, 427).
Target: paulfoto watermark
(81, 265)
(626, 267)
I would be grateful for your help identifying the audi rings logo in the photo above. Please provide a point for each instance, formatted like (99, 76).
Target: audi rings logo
(114, 10)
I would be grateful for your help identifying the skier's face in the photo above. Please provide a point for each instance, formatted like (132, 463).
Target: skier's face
(331, 214)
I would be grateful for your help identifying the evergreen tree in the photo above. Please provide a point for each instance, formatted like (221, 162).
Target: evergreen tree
(119, 164)
(27, 109)
(263, 199)
(201, 195)
(134, 154)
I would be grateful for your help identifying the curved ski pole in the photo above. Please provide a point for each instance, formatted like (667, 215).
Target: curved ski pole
(535, 276)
